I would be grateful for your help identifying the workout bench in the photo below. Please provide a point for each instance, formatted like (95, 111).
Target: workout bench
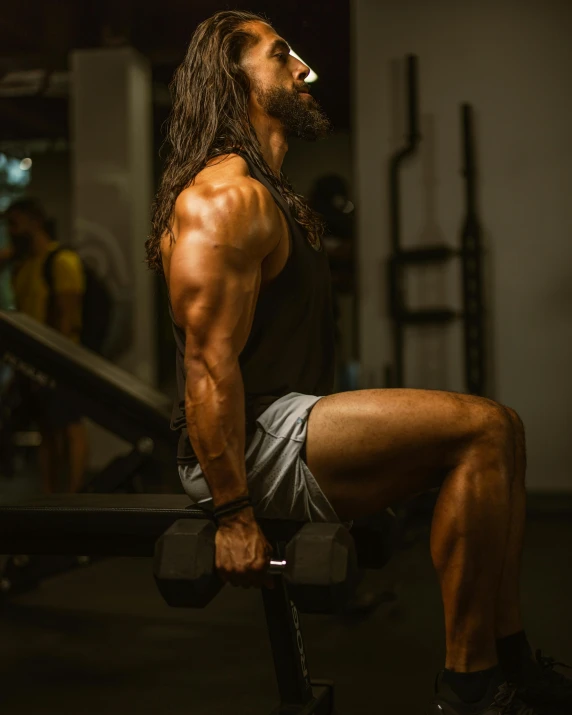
(136, 524)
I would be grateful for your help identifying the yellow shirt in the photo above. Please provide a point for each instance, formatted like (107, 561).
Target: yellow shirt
(32, 292)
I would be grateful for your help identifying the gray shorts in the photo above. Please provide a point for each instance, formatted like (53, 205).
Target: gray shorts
(279, 482)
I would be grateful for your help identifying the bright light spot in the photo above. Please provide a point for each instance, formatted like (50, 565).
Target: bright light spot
(15, 175)
(26, 164)
(312, 77)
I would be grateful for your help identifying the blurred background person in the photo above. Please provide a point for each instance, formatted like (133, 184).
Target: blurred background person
(48, 284)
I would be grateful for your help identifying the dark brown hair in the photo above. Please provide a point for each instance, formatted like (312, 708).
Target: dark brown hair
(31, 207)
(210, 118)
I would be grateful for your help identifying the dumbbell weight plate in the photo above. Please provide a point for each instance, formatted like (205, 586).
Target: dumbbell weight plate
(184, 566)
(322, 568)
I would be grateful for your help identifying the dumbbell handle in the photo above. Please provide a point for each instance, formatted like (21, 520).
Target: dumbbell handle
(277, 568)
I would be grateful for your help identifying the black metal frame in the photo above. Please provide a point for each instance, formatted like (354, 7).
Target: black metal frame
(470, 254)
(396, 299)
(299, 695)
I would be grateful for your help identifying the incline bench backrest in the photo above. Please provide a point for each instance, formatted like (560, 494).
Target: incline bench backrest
(107, 394)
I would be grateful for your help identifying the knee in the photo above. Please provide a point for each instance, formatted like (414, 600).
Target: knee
(495, 422)
(494, 432)
(517, 423)
(502, 435)
(520, 443)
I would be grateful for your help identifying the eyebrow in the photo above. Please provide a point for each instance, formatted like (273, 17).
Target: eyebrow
(279, 45)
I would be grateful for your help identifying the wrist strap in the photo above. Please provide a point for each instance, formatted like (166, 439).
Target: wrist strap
(231, 507)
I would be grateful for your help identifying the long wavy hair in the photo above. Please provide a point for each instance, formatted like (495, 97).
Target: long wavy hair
(210, 118)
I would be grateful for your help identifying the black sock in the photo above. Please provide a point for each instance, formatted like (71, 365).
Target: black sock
(514, 654)
(470, 687)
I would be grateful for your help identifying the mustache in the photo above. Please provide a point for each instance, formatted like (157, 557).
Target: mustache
(303, 88)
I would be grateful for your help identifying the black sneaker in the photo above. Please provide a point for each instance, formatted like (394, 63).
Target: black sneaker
(543, 686)
(500, 700)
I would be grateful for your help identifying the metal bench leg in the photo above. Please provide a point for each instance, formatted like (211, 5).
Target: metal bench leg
(298, 694)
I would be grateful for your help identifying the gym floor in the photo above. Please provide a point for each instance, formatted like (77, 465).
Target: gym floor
(100, 639)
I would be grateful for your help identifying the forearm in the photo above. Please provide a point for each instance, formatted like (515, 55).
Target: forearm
(214, 408)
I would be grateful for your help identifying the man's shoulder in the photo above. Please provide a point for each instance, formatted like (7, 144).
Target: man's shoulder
(224, 190)
(64, 258)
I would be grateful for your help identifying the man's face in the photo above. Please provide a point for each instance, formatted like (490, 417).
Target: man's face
(21, 229)
(278, 86)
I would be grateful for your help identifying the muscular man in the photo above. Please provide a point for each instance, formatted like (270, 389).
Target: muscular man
(261, 434)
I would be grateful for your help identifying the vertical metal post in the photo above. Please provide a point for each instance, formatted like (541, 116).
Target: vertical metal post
(472, 272)
(290, 662)
(395, 268)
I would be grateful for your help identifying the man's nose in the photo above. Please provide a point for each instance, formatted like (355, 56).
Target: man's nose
(302, 73)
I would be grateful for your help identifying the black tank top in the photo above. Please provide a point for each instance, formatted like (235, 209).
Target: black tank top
(291, 344)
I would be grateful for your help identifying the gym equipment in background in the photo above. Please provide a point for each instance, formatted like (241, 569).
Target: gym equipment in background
(470, 254)
(110, 397)
(106, 394)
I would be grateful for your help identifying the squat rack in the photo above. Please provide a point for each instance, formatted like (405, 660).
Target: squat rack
(470, 252)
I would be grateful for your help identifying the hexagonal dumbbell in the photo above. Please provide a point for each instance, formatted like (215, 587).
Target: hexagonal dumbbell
(320, 566)
(184, 566)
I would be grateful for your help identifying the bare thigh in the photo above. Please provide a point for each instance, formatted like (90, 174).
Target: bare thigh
(368, 449)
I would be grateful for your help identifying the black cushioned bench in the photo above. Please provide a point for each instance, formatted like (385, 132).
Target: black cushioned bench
(102, 524)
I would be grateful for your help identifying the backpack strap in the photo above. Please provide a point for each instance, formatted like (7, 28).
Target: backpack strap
(49, 278)
(49, 268)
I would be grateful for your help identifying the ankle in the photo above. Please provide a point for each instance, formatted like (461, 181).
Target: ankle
(466, 661)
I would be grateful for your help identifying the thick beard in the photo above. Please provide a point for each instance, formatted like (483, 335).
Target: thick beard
(300, 117)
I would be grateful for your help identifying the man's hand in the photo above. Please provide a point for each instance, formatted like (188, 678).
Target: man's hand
(242, 552)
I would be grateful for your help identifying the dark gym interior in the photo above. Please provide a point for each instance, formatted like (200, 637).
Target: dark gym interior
(445, 189)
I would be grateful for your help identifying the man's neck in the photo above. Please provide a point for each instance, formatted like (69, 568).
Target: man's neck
(40, 242)
(271, 136)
